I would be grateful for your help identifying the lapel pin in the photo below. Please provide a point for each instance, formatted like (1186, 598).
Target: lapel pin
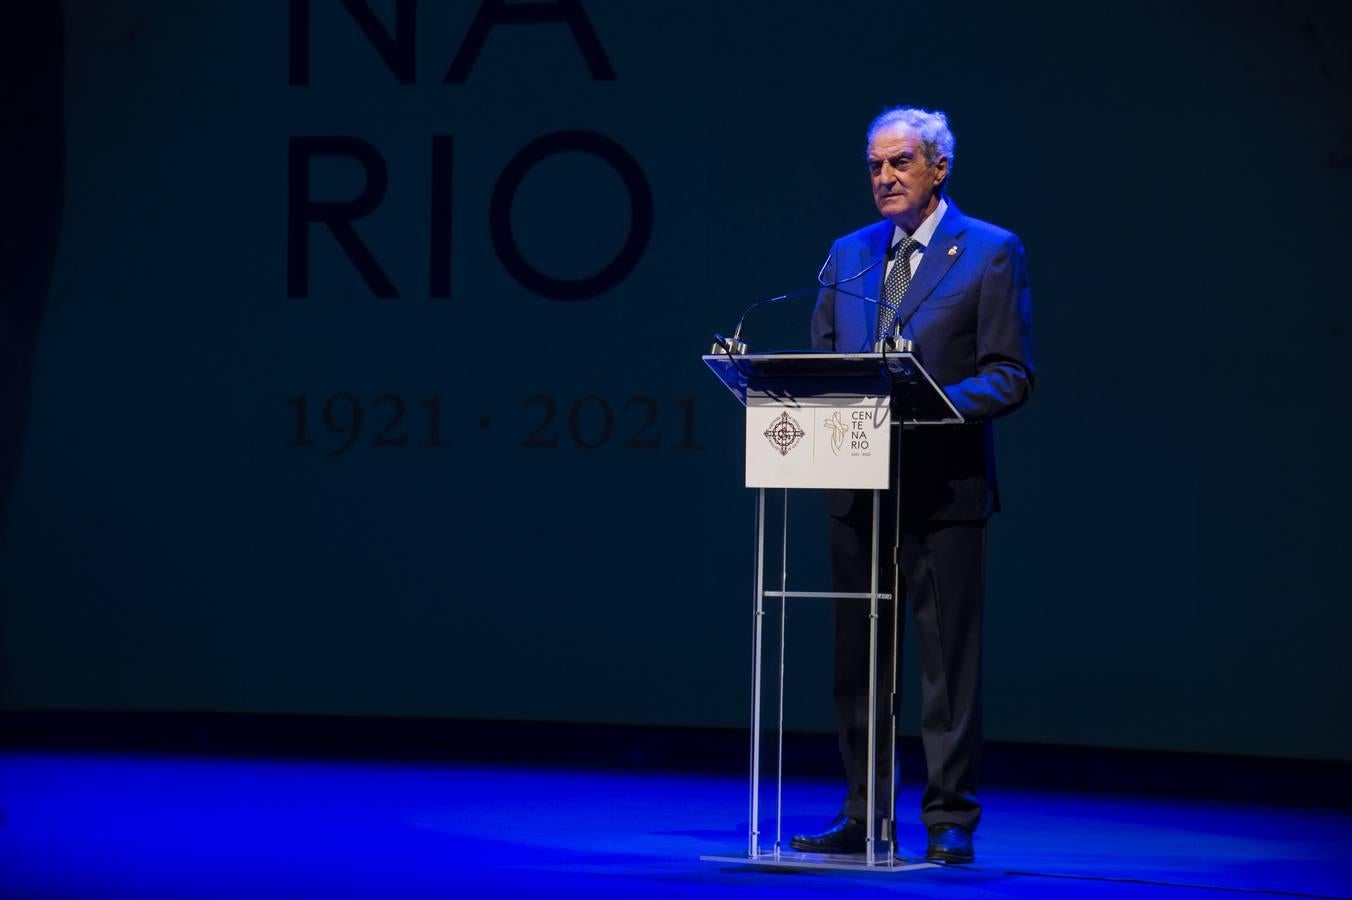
(953, 251)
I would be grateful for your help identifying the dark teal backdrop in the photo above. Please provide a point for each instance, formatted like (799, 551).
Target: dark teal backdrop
(540, 516)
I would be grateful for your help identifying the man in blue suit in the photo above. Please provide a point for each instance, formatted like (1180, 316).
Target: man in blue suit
(957, 287)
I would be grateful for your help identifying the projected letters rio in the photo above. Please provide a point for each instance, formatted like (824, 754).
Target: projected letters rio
(390, 420)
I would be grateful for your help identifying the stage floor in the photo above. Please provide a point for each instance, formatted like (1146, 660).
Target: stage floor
(118, 825)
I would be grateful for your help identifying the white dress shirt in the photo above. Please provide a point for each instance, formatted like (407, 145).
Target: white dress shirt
(923, 235)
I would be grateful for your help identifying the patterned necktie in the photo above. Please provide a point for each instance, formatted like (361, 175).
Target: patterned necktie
(898, 280)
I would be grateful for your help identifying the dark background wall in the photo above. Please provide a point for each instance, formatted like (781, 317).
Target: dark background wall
(540, 516)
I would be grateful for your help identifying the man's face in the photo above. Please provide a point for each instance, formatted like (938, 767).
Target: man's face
(904, 182)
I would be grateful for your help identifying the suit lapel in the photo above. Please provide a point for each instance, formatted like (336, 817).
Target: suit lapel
(935, 262)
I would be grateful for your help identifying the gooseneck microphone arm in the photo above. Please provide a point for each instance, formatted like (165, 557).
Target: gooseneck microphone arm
(737, 334)
(893, 343)
(874, 300)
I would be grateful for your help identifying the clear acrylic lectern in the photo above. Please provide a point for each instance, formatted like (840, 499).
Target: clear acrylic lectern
(824, 420)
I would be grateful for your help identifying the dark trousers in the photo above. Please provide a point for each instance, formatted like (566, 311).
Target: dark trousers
(942, 569)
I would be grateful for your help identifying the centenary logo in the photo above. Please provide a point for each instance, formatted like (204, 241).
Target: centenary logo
(784, 433)
(840, 430)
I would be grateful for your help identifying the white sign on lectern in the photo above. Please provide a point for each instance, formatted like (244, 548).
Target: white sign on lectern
(821, 442)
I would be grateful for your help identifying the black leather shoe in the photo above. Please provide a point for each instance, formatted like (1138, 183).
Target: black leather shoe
(846, 835)
(949, 844)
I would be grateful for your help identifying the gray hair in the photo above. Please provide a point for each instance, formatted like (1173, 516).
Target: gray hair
(936, 138)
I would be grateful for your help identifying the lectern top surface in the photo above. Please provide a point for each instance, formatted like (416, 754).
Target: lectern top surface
(916, 399)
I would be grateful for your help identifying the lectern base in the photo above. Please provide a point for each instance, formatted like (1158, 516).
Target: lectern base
(884, 861)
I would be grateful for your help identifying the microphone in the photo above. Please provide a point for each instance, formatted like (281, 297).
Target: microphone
(735, 344)
(894, 342)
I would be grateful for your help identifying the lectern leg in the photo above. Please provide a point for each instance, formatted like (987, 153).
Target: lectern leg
(783, 628)
(894, 702)
(758, 613)
(871, 804)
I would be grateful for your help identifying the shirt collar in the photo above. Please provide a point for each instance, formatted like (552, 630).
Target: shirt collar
(925, 233)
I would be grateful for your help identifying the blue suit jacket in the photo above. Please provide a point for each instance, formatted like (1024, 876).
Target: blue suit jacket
(969, 313)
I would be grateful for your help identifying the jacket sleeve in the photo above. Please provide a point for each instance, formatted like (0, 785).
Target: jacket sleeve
(1004, 340)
